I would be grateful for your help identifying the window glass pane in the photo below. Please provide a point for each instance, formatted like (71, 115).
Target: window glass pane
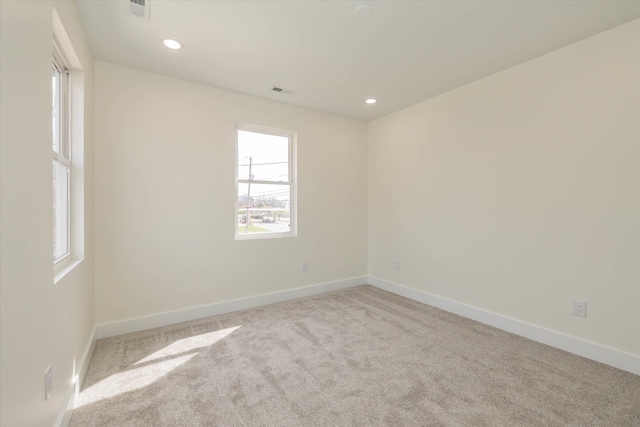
(263, 208)
(60, 210)
(57, 110)
(264, 157)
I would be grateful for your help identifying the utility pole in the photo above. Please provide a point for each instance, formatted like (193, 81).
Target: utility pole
(246, 222)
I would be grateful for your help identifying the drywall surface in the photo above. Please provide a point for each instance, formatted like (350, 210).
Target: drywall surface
(519, 192)
(42, 323)
(165, 197)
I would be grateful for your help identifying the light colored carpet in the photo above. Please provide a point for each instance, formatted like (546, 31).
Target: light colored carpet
(358, 357)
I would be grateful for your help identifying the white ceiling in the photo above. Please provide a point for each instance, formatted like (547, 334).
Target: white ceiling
(405, 52)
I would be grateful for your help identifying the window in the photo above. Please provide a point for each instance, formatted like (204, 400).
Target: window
(68, 151)
(265, 183)
(61, 158)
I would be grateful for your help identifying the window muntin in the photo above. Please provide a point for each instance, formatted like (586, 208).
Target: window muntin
(265, 186)
(61, 158)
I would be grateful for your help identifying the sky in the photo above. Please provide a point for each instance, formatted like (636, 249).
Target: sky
(269, 155)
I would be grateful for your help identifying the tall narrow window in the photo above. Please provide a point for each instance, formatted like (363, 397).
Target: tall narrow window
(265, 183)
(61, 158)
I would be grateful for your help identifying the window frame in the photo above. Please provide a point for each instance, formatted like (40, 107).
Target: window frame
(64, 156)
(291, 183)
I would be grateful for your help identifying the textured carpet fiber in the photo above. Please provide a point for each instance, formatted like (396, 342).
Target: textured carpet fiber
(358, 357)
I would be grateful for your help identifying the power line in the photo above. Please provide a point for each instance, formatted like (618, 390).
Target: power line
(271, 195)
(272, 177)
(263, 164)
(272, 191)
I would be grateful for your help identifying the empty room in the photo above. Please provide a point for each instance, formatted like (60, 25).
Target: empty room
(319, 213)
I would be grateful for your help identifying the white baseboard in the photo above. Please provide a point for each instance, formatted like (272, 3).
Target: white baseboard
(617, 359)
(65, 414)
(163, 319)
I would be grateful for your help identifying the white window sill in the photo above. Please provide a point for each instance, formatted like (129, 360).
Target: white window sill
(259, 236)
(64, 267)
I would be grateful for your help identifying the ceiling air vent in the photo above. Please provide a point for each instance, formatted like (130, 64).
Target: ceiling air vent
(281, 90)
(139, 8)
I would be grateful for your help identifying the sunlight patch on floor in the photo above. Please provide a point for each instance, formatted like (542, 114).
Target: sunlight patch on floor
(151, 368)
(189, 344)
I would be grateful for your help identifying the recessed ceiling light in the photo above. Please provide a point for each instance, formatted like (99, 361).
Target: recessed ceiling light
(172, 44)
(371, 101)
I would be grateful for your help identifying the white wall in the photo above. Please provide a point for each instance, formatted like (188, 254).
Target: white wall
(165, 192)
(41, 323)
(519, 192)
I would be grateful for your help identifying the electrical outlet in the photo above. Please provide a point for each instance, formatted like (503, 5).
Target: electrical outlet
(398, 265)
(305, 266)
(579, 308)
(48, 383)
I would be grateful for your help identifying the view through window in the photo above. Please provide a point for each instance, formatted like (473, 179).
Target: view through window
(265, 183)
